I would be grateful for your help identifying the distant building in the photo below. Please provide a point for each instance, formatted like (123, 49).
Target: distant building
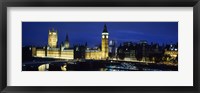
(148, 52)
(127, 51)
(112, 48)
(171, 51)
(144, 50)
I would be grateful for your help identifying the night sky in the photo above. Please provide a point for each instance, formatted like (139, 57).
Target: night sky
(36, 33)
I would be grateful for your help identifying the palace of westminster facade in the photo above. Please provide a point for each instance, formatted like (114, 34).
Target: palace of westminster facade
(65, 52)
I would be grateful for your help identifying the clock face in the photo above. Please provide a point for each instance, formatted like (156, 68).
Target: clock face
(104, 36)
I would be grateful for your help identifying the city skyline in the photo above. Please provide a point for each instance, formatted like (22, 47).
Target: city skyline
(90, 32)
(85, 46)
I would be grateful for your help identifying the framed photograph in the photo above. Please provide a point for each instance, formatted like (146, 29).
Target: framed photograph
(136, 46)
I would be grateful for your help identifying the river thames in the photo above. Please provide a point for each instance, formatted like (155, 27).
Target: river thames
(94, 65)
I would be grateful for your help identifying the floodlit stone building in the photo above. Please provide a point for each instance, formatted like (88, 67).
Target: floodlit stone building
(65, 52)
(99, 53)
(52, 50)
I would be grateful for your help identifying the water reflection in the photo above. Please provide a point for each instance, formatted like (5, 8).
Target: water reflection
(92, 65)
(64, 67)
(53, 66)
(43, 67)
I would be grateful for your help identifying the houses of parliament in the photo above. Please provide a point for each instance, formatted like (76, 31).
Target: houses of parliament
(64, 51)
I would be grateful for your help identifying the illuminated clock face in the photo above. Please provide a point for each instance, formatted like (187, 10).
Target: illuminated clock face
(106, 36)
(103, 36)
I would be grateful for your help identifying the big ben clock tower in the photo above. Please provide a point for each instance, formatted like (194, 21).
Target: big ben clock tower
(104, 43)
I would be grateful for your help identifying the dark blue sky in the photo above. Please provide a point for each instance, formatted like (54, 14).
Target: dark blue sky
(36, 33)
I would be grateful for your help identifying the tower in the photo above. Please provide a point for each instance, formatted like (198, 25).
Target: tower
(104, 43)
(66, 42)
(52, 38)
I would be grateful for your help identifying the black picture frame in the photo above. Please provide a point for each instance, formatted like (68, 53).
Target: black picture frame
(100, 3)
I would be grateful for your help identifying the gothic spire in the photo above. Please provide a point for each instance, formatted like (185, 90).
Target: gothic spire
(67, 41)
(105, 29)
(67, 38)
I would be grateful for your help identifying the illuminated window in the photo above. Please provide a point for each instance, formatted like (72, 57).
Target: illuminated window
(77, 49)
(110, 42)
